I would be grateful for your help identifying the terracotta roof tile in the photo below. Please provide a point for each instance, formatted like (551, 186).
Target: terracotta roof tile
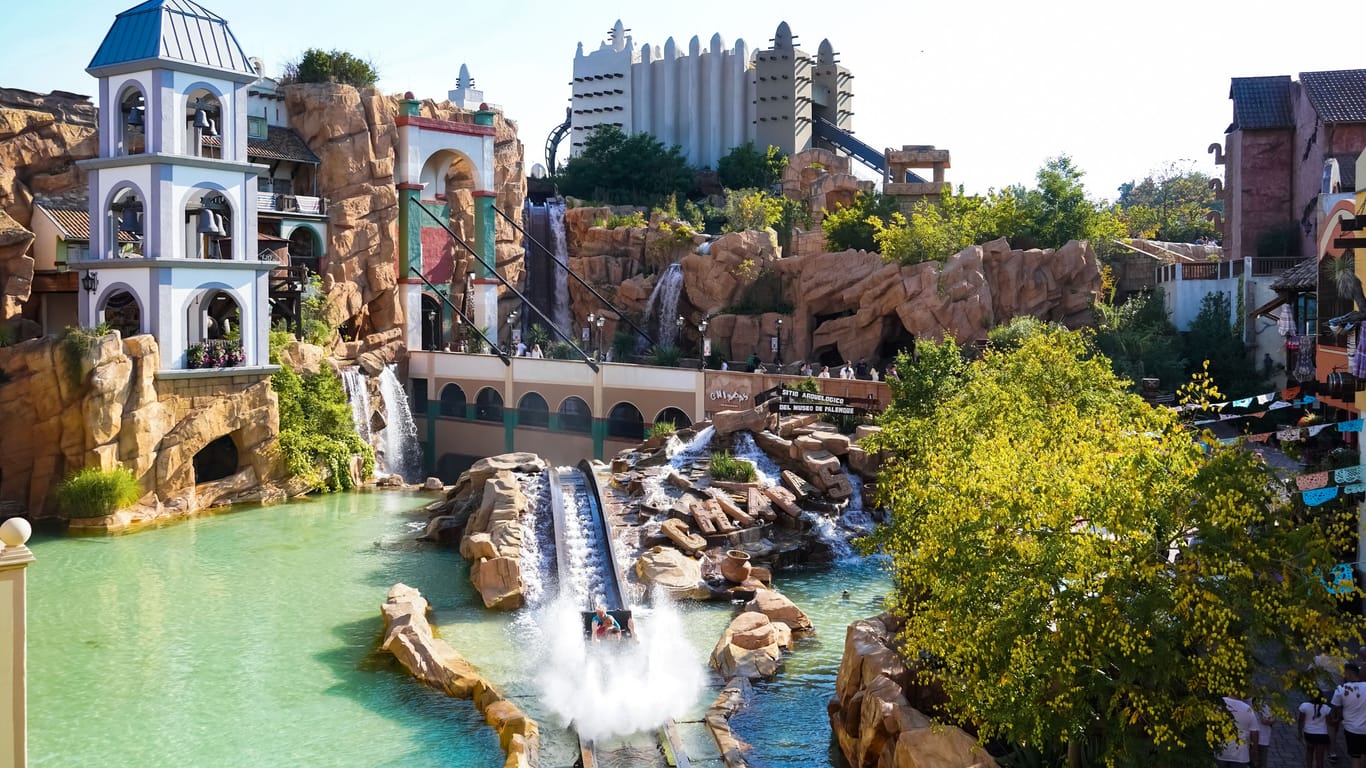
(1339, 96)
(75, 223)
(279, 144)
(1261, 102)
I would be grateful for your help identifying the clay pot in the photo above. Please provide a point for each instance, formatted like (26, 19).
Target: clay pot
(735, 567)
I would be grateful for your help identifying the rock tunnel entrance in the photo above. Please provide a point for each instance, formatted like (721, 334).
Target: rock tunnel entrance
(216, 460)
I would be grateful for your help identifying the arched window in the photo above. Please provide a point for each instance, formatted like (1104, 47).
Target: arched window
(125, 219)
(305, 250)
(121, 312)
(575, 416)
(625, 421)
(532, 411)
(453, 401)
(204, 125)
(488, 405)
(132, 121)
(674, 416)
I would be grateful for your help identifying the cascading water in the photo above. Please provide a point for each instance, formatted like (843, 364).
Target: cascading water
(745, 448)
(588, 563)
(401, 454)
(662, 306)
(560, 306)
(358, 394)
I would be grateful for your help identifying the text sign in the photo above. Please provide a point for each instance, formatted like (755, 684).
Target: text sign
(839, 410)
(810, 397)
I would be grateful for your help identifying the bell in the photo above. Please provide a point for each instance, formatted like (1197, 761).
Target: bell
(134, 117)
(129, 221)
(201, 119)
(212, 130)
(220, 225)
(207, 226)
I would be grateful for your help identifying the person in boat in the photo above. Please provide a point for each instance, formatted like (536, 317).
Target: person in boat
(605, 624)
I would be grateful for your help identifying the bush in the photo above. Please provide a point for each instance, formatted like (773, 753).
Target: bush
(664, 356)
(620, 169)
(661, 429)
(562, 350)
(632, 219)
(725, 467)
(319, 66)
(95, 492)
(623, 344)
(744, 166)
(850, 228)
(76, 342)
(316, 430)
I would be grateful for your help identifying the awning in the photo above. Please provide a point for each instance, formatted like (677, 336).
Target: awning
(1265, 309)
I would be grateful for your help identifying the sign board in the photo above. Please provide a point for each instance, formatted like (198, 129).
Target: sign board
(516, 336)
(795, 401)
(773, 345)
(706, 348)
(585, 334)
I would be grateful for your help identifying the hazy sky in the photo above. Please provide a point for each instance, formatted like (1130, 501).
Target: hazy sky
(1124, 88)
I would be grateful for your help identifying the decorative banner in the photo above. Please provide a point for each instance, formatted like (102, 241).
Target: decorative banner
(1290, 435)
(1320, 495)
(1354, 488)
(1317, 428)
(1259, 438)
(1244, 403)
(1347, 475)
(1290, 394)
(1312, 481)
(1264, 399)
(1351, 425)
(1276, 406)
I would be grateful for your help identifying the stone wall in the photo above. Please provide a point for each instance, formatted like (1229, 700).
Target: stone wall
(116, 412)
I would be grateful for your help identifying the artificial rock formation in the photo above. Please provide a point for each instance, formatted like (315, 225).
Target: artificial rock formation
(109, 409)
(677, 574)
(873, 716)
(486, 504)
(408, 636)
(750, 647)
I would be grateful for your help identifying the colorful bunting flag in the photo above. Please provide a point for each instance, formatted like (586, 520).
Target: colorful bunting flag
(1320, 495)
(1290, 435)
(1260, 437)
(1351, 425)
(1312, 480)
(1353, 488)
(1347, 475)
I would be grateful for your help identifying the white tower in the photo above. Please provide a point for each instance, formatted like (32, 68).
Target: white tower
(173, 243)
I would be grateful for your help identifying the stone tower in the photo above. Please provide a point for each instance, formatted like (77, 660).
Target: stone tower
(173, 240)
(832, 94)
(783, 90)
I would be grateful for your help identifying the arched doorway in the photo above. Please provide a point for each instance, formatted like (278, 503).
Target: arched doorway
(305, 250)
(216, 460)
(624, 421)
(575, 416)
(453, 401)
(122, 313)
(488, 405)
(532, 411)
(125, 211)
(673, 416)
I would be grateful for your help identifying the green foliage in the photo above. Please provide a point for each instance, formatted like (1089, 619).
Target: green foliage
(808, 385)
(539, 335)
(619, 169)
(313, 307)
(623, 344)
(95, 492)
(632, 219)
(926, 379)
(562, 350)
(1213, 336)
(744, 167)
(671, 236)
(663, 355)
(725, 467)
(936, 231)
(1079, 571)
(850, 228)
(661, 429)
(1014, 333)
(319, 66)
(6, 335)
(279, 339)
(1170, 205)
(75, 343)
(1058, 210)
(1139, 340)
(317, 436)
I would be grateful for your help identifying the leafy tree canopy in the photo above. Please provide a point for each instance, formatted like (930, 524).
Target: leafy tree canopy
(745, 167)
(1214, 336)
(620, 169)
(1076, 569)
(319, 66)
(1057, 210)
(1169, 205)
(1140, 340)
(850, 228)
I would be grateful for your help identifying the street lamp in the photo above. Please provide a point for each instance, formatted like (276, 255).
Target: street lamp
(91, 282)
(702, 344)
(600, 322)
(778, 344)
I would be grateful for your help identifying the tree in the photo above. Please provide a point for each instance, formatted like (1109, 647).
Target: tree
(620, 169)
(744, 167)
(1058, 210)
(319, 66)
(1213, 336)
(1140, 340)
(937, 230)
(1078, 574)
(1170, 205)
(849, 227)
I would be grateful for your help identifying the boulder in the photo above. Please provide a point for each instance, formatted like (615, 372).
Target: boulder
(499, 582)
(677, 574)
(408, 636)
(748, 648)
(680, 534)
(433, 484)
(748, 419)
(778, 608)
(304, 359)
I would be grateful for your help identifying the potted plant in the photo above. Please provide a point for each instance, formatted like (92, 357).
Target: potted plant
(234, 355)
(194, 356)
(213, 355)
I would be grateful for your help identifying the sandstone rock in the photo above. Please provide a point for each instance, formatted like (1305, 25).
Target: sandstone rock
(677, 574)
(730, 659)
(499, 583)
(433, 484)
(778, 608)
(749, 419)
(835, 443)
(304, 359)
(679, 533)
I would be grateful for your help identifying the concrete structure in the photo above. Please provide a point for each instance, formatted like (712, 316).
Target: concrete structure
(710, 100)
(465, 95)
(171, 72)
(14, 559)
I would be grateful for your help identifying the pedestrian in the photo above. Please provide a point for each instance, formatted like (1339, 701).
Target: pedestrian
(725, 366)
(536, 350)
(1236, 753)
(891, 372)
(806, 369)
(1312, 728)
(873, 372)
(1349, 709)
(1261, 750)
(825, 372)
(521, 348)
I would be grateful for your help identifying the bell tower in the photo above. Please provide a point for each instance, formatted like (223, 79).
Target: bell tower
(173, 240)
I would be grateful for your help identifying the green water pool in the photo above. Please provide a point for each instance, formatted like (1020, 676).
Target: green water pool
(249, 639)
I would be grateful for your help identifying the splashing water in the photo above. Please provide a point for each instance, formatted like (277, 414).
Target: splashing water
(745, 448)
(401, 452)
(662, 306)
(538, 549)
(358, 395)
(856, 517)
(559, 310)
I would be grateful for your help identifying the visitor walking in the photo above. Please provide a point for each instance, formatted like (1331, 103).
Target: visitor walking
(806, 369)
(752, 364)
(846, 371)
(1349, 709)
(1312, 728)
(1236, 753)
(521, 348)
(891, 372)
(1261, 750)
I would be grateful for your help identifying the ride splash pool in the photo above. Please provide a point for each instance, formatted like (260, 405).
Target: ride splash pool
(249, 639)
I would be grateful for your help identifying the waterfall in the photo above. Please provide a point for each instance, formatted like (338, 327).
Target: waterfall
(662, 306)
(401, 453)
(587, 550)
(358, 394)
(560, 308)
(745, 448)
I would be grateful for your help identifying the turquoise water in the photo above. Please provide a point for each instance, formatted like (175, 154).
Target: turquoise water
(244, 639)
(249, 639)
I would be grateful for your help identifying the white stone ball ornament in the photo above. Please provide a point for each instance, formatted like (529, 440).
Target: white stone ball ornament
(15, 531)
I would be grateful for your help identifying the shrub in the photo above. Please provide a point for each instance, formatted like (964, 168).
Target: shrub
(617, 169)
(76, 342)
(745, 166)
(539, 336)
(95, 492)
(562, 350)
(850, 228)
(319, 66)
(663, 355)
(632, 219)
(725, 467)
(623, 344)
(316, 430)
(661, 429)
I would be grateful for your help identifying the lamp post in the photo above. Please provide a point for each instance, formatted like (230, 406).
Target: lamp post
(678, 330)
(588, 342)
(514, 333)
(600, 322)
(702, 345)
(778, 344)
(91, 282)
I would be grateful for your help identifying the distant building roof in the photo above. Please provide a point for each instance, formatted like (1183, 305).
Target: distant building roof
(74, 223)
(1261, 102)
(171, 31)
(279, 144)
(1339, 96)
(1298, 279)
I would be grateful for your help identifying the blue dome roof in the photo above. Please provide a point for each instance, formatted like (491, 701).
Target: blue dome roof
(171, 31)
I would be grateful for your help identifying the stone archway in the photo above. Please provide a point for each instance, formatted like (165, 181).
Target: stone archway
(215, 461)
(249, 417)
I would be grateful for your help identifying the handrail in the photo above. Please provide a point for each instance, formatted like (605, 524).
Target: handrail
(446, 299)
(493, 269)
(575, 275)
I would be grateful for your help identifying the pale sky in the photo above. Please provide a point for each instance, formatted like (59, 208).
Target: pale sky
(1124, 88)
